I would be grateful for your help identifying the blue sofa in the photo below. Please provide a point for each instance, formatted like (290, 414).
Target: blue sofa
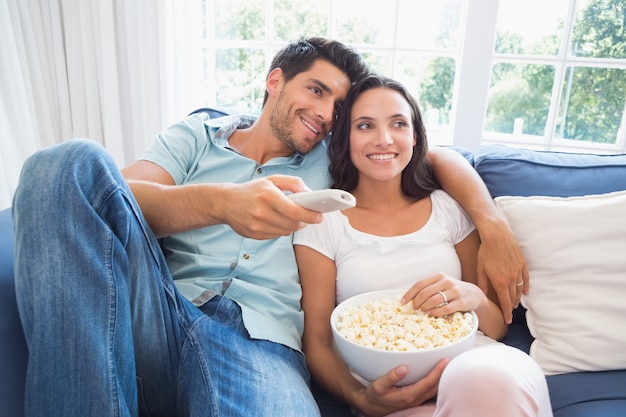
(506, 171)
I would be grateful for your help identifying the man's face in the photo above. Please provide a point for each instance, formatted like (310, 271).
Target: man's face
(304, 110)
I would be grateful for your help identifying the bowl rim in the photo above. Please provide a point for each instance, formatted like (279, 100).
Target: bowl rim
(344, 303)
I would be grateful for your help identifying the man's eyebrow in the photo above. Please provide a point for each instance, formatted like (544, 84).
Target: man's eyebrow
(321, 85)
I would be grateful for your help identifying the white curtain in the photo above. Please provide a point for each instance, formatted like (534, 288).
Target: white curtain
(116, 72)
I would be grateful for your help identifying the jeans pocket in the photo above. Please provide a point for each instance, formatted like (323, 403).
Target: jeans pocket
(221, 310)
(141, 400)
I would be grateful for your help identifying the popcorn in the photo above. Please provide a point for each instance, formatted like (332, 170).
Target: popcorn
(385, 324)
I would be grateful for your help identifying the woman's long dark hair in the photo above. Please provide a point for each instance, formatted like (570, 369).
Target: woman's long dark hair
(418, 180)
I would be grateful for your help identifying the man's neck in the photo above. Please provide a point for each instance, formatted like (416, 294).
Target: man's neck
(258, 143)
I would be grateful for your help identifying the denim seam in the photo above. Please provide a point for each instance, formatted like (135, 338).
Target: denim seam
(192, 343)
(113, 393)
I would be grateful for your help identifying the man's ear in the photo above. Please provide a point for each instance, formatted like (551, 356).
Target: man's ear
(274, 81)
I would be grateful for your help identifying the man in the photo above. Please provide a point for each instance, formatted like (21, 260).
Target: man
(110, 332)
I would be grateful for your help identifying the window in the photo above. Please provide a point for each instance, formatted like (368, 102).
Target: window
(558, 78)
(539, 74)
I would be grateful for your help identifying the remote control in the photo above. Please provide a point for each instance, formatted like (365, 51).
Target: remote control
(324, 200)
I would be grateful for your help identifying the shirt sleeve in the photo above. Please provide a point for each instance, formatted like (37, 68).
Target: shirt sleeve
(176, 148)
(322, 237)
(450, 212)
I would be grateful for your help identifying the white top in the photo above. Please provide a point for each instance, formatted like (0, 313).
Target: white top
(367, 262)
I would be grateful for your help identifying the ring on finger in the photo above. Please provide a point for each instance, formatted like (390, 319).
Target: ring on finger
(445, 300)
(519, 284)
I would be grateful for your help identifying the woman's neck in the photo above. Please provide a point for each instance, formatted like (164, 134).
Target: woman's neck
(381, 196)
(384, 210)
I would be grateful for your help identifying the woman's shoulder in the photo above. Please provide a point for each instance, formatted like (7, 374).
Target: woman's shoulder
(444, 205)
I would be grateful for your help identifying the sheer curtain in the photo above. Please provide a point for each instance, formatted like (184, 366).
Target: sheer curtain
(116, 72)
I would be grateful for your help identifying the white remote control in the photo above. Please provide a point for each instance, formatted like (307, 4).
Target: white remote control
(324, 200)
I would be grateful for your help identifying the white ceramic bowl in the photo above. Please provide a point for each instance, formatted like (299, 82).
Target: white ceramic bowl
(372, 363)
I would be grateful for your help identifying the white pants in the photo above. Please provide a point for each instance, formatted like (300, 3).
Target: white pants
(490, 381)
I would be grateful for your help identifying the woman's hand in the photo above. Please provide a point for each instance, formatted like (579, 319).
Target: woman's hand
(440, 294)
(383, 397)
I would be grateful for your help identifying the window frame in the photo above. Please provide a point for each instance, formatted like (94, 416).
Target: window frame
(472, 77)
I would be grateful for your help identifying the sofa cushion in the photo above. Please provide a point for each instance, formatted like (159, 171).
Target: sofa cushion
(518, 335)
(588, 394)
(13, 351)
(513, 171)
(574, 251)
(604, 408)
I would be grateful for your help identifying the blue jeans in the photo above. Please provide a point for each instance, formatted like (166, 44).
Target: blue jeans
(107, 331)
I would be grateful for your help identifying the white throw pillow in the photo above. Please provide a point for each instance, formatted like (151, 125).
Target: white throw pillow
(575, 249)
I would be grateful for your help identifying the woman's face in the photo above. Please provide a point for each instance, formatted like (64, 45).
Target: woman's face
(381, 134)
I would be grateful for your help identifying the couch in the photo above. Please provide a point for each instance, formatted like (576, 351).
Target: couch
(506, 171)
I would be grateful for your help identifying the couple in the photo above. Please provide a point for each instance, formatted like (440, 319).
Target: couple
(207, 320)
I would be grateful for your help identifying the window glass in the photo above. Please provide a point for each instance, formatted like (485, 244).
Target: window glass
(295, 19)
(426, 24)
(240, 77)
(378, 61)
(238, 19)
(599, 29)
(370, 22)
(519, 98)
(431, 80)
(533, 27)
(591, 105)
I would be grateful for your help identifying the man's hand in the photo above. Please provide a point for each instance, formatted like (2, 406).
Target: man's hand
(502, 263)
(259, 209)
(256, 209)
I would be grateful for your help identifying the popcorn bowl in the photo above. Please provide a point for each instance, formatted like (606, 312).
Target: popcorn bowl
(371, 363)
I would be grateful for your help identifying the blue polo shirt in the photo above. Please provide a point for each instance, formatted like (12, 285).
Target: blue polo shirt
(260, 275)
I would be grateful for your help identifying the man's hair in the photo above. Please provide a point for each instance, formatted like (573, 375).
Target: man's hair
(418, 180)
(299, 56)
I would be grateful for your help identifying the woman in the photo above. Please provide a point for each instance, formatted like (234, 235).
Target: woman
(405, 233)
